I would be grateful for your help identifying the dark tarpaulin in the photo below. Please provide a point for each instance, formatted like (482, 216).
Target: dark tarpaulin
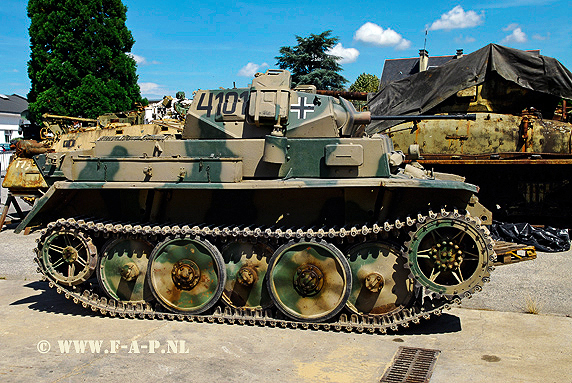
(547, 239)
(423, 91)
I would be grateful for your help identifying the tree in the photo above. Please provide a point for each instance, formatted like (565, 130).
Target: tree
(365, 83)
(310, 63)
(79, 62)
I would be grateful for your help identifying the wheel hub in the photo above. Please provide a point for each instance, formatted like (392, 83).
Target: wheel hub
(129, 271)
(308, 280)
(186, 274)
(246, 276)
(69, 254)
(447, 255)
(374, 282)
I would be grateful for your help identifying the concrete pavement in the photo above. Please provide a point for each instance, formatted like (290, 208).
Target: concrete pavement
(475, 345)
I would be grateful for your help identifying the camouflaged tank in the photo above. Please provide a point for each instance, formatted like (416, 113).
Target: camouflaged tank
(273, 208)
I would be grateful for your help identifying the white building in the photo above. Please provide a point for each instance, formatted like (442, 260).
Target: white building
(10, 109)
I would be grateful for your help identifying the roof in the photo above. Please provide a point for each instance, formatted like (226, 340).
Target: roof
(397, 69)
(13, 104)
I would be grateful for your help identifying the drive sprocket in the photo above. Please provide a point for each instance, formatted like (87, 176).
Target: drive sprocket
(450, 254)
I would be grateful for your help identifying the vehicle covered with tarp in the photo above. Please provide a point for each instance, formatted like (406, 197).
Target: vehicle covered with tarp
(518, 149)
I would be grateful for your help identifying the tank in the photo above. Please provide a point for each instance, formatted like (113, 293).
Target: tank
(272, 208)
(518, 147)
(62, 134)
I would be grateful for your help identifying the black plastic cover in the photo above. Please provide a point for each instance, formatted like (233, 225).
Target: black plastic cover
(422, 91)
(547, 239)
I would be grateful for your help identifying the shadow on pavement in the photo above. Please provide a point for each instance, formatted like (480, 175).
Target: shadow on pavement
(51, 302)
(444, 324)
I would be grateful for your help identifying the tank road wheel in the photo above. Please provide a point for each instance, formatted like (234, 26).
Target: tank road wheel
(68, 257)
(122, 269)
(246, 265)
(186, 275)
(309, 281)
(452, 256)
(380, 280)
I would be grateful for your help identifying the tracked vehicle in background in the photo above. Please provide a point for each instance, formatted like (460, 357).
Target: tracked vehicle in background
(519, 147)
(273, 208)
(37, 165)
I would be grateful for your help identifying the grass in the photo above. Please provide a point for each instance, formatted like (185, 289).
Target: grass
(532, 305)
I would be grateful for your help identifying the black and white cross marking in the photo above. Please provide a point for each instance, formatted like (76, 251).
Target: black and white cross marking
(302, 108)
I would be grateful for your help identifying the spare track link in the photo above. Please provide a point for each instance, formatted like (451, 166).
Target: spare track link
(223, 314)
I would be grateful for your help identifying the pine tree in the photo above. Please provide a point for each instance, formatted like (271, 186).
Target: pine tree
(310, 64)
(364, 83)
(79, 64)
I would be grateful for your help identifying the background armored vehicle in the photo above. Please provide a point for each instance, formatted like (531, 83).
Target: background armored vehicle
(518, 150)
(63, 134)
(271, 209)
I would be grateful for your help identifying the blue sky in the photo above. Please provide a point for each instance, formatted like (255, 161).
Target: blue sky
(210, 44)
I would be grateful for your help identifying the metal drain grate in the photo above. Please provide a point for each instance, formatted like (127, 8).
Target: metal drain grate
(411, 365)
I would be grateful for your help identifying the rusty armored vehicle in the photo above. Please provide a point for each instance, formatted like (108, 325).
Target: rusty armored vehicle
(273, 208)
(37, 165)
(519, 147)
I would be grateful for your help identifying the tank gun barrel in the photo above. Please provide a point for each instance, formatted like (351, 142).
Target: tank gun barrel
(66, 118)
(418, 117)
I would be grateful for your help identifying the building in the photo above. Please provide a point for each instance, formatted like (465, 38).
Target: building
(10, 109)
(397, 69)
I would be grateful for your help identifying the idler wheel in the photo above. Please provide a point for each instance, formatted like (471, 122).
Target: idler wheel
(309, 281)
(246, 265)
(69, 257)
(122, 271)
(381, 283)
(186, 274)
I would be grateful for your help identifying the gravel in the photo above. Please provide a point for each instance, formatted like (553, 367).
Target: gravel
(544, 280)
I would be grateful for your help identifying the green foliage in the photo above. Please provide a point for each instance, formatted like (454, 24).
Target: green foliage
(365, 83)
(310, 64)
(79, 64)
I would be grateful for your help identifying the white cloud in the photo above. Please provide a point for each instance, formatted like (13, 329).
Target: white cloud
(374, 34)
(140, 60)
(517, 35)
(540, 37)
(152, 89)
(510, 27)
(457, 18)
(348, 55)
(250, 69)
(464, 39)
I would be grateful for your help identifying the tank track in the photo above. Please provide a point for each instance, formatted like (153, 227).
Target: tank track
(425, 304)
